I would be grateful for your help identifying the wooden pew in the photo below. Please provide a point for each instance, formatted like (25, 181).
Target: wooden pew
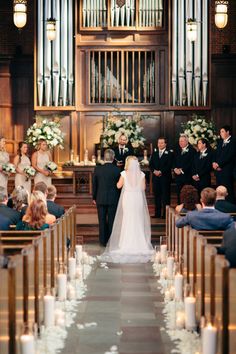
(232, 311)
(199, 287)
(192, 258)
(209, 279)
(221, 298)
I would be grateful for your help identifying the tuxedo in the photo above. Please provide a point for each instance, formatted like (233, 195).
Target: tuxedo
(206, 219)
(55, 209)
(106, 195)
(122, 153)
(161, 184)
(184, 160)
(225, 157)
(12, 215)
(202, 166)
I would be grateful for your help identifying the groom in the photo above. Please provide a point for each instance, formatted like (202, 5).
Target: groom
(106, 195)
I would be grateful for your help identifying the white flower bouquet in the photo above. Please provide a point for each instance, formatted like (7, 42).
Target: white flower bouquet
(198, 128)
(29, 171)
(46, 130)
(115, 126)
(9, 168)
(51, 166)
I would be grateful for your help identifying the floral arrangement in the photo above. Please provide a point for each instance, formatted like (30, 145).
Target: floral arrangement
(9, 168)
(46, 130)
(115, 126)
(51, 166)
(198, 128)
(29, 171)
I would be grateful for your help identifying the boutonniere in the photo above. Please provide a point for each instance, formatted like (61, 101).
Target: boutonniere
(184, 151)
(166, 152)
(203, 154)
(126, 149)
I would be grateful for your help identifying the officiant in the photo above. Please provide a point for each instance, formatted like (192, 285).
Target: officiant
(122, 150)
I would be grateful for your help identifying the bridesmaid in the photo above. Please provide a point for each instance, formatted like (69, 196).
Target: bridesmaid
(4, 158)
(39, 159)
(21, 161)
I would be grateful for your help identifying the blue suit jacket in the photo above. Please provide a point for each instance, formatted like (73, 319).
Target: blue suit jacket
(206, 219)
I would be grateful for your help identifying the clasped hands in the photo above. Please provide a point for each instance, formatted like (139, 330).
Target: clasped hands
(157, 173)
(178, 171)
(216, 167)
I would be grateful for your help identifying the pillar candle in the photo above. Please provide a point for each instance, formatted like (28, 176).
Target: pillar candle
(170, 266)
(163, 253)
(72, 267)
(209, 339)
(158, 257)
(79, 272)
(178, 286)
(190, 312)
(27, 344)
(79, 252)
(49, 309)
(71, 294)
(180, 320)
(61, 283)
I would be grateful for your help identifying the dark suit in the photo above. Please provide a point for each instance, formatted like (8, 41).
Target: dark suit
(184, 161)
(202, 166)
(225, 157)
(11, 214)
(225, 206)
(120, 155)
(4, 223)
(161, 184)
(206, 219)
(229, 245)
(106, 195)
(55, 209)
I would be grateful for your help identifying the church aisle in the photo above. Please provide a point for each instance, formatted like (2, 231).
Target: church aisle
(126, 305)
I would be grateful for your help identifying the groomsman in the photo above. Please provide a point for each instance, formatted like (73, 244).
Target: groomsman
(183, 164)
(160, 165)
(106, 195)
(123, 150)
(224, 160)
(202, 166)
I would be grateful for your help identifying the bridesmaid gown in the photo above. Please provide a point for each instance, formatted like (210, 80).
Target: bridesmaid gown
(21, 180)
(42, 160)
(4, 158)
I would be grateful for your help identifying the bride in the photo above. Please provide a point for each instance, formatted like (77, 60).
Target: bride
(130, 241)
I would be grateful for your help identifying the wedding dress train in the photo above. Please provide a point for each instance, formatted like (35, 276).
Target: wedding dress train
(130, 241)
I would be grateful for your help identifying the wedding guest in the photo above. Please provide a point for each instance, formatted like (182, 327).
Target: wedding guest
(12, 215)
(224, 160)
(106, 194)
(202, 166)
(40, 159)
(183, 164)
(228, 247)
(4, 223)
(4, 158)
(54, 208)
(35, 217)
(160, 164)
(189, 199)
(37, 195)
(21, 161)
(222, 204)
(123, 150)
(208, 218)
(42, 187)
(20, 199)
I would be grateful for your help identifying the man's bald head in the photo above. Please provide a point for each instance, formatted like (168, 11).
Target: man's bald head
(221, 192)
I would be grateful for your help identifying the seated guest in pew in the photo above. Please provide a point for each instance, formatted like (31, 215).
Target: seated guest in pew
(20, 199)
(42, 187)
(54, 208)
(222, 204)
(208, 218)
(4, 223)
(12, 215)
(35, 217)
(189, 200)
(228, 247)
(37, 195)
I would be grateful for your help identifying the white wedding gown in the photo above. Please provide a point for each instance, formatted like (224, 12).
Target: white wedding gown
(130, 241)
